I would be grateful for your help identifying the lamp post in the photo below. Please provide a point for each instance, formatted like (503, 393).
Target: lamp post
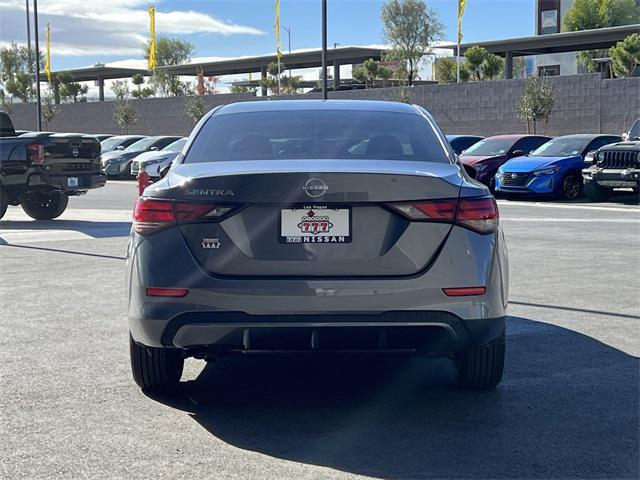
(324, 49)
(28, 37)
(37, 52)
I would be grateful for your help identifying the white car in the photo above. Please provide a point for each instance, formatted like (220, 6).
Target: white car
(153, 162)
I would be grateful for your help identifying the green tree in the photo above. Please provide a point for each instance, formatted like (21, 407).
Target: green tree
(474, 59)
(140, 92)
(445, 70)
(5, 102)
(194, 108)
(291, 84)
(271, 80)
(519, 67)
(242, 89)
(16, 73)
(591, 14)
(410, 27)
(625, 55)
(385, 73)
(123, 112)
(360, 74)
(169, 51)
(493, 66)
(69, 89)
(536, 102)
(49, 109)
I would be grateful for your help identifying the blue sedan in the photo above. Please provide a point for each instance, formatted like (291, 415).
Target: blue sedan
(552, 169)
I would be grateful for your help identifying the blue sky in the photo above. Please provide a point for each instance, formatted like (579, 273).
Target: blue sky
(112, 30)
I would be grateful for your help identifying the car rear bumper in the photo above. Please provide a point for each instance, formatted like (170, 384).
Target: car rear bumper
(220, 307)
(427, 332)
(68, 183)
(628, 178)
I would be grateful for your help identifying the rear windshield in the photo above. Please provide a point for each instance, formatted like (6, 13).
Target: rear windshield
(562, 147)
(490, 147)
(329, 134)
(141, 145)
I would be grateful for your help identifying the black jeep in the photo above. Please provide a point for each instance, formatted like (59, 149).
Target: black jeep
(614, 166)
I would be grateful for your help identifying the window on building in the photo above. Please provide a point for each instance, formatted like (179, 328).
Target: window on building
(548, 16)
(549, 71)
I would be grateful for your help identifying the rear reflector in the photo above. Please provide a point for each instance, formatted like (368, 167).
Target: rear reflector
(479, 214)
(151, 215)
(464, 291)
(167, 292)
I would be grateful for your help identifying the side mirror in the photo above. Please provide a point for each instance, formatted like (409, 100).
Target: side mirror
(120, 147)
(164, 170)
(625, 136)
(153, 149)
(517, 153)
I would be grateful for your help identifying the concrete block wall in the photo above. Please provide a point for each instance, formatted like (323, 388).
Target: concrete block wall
(583, 104)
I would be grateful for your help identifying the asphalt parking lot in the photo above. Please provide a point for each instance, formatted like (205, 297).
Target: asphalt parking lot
(567, 407)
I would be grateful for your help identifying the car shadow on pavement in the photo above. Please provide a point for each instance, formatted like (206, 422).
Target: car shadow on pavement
(567, 407)
(98, 229)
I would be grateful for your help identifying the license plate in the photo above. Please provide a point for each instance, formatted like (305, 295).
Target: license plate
(315, 224)
(72, 182)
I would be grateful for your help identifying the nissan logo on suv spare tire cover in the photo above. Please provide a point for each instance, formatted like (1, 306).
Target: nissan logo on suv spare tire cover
(315, 187)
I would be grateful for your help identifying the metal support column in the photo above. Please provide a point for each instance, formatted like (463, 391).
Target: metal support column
(508, 65)
(263, 77)
(101, 89)
(336, 75)
(324, 49)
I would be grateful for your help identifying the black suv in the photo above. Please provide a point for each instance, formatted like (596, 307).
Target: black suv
(614, 166)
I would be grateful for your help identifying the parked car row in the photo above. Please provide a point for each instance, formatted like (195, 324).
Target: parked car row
(567, 166)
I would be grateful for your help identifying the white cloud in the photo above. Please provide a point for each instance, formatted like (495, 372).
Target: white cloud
(107, 27)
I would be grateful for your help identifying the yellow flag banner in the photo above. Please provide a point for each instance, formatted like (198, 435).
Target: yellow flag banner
(277, 27)
(47, 58)
(152, 41)
(462, 4)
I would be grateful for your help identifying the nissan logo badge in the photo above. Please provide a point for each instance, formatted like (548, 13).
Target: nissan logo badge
(315, 187)
(75, 152)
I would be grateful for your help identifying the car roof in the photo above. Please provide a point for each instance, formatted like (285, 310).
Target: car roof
(588, 136)
(515, 136)
(289, 105)
(453, 137)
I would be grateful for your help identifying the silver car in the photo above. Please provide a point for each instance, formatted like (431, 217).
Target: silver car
(316, 226)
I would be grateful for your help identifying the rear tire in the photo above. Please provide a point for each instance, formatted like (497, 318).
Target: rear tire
(44, 206)
(481, 367)
(3, 202)
(595, 192)
(155, 370)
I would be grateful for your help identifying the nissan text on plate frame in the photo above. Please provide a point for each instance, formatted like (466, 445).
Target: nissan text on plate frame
(316, 226)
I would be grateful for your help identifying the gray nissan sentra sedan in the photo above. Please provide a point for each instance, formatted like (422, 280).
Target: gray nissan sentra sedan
(316, 226)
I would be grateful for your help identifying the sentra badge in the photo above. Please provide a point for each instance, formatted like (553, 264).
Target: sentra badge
(209, 192)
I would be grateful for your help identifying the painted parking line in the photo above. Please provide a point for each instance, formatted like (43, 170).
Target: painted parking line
(632, 209)
(75, 224)
(571, 220)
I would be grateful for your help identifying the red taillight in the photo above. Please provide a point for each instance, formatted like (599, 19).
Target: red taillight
(479, 214)
(35, 153)
(151, 215)
(167, 292)
(464, 291)
(435, 210)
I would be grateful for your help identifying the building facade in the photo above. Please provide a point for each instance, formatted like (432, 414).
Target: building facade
(549, 15)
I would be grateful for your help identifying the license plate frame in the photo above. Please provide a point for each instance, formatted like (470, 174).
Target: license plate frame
(342, 227)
